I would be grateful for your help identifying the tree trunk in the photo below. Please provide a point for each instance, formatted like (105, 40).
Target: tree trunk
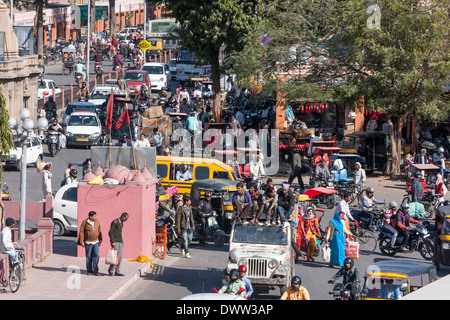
(215, 75)
(92, 2)
(39, 27)
(395, 135)
(112, 17)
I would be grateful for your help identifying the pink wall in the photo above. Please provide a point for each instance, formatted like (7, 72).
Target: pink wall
(138, 200)
(34, 211)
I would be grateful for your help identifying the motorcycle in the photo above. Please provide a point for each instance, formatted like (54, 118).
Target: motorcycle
(78, 78)
(419, 239)
(53, 142)
(341, 291)
(212, 230)
(363, 220)
(327, 199)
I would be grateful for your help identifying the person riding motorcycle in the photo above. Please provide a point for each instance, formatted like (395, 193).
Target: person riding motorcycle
(203, 211)
(80, 68)
(401, 222)
(50, 108)
(295, 291)
(234, 285)
(176, 200)
(118, 60)
(350, 278)
(248, 285)
(83, 93)
(164, 211)
(387, 219)
(368, 202)
(72, 178)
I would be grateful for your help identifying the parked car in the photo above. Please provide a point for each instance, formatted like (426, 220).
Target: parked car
(83, 129)
(124, 34)
(159, 75)
(45, 88)
(76, 106)
(35, 154)
(135, 78)
(65, 209)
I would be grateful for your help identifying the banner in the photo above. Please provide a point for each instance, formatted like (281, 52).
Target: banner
(123, 120)
(109, 111)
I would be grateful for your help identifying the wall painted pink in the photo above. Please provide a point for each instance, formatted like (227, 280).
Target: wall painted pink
(138, 200)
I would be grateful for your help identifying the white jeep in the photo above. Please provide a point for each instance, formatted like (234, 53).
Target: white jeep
(266, 251)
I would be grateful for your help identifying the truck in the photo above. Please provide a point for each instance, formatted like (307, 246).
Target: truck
(186, 66)
(266, 250)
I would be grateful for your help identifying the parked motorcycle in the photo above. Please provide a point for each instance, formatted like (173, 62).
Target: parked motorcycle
(212, 231)
(419, 239)
(172, 236)
(53, 142)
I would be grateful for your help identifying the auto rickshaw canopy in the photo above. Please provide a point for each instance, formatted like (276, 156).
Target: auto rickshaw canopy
(405, 268)
(443, 212)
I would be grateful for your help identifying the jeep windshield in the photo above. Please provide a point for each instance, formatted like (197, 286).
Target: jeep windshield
(273, 235)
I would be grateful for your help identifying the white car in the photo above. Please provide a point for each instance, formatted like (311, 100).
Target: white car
(83, 128)
(45, 88)
(159, 75)
(125, 33)
(35, 154)
(101, 93)
(65, 208)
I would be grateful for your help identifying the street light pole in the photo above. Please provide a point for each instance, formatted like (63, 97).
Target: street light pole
(88, 43)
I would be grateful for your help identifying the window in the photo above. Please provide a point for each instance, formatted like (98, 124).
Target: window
(201, 173)
(76, 120)
(161, 170)
(153, 69)
(70, 194)
(221, 175)
(134, 76)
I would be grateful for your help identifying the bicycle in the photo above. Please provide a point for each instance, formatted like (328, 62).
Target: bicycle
(367, 240)
(17, 271)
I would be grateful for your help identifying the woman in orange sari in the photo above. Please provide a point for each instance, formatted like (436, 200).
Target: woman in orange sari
(310, 230)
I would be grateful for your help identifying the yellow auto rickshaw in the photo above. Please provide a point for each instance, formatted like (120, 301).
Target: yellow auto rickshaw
(393, 279)
(222, 191)
(442, 237)
(156, 46)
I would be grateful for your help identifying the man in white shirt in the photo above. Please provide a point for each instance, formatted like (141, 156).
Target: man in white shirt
(360, 175)
(81, 68)
(343, 206)
(6, 244)
(184, 174)
(257, 168)
(142, 142)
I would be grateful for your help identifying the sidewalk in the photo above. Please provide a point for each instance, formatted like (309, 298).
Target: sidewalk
(63, 277)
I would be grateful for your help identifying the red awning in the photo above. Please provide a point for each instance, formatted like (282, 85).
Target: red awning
(314, 192)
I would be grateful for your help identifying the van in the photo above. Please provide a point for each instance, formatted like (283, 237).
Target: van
(199, 168)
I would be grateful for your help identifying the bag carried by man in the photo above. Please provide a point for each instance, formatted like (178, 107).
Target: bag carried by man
(112, 257)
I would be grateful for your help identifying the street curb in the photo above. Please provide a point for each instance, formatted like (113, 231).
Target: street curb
(131, 281)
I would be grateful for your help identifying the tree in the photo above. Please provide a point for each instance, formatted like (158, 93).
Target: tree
(207, 26)
(395, 56)
(392, 56)
(112, 17)
(6, 138)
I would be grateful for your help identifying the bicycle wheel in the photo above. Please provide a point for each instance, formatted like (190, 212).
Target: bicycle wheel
(367, 241)
(15, 277)
(51, 61)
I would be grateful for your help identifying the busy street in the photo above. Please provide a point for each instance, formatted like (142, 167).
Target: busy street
(254, 151)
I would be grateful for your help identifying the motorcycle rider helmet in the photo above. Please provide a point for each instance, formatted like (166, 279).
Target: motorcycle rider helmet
(370, 190)
(207, 194)
(296, 280)
(393, 204)
(441, 150)
(243, 268)
(405, 206)
(73, 173)
(418, 174)
(177, 197)
(348, 261)
(446, 203)
(234, 274)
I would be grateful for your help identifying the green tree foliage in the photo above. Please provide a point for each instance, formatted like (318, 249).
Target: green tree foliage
(6, 139)
(208, 26)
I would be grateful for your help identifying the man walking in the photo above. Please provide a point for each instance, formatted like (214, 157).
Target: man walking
(184, 220)
(115, 236)
(297, 170)
(90, 238)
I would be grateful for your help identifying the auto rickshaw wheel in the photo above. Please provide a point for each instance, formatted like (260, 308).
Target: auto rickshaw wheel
(219, 241)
